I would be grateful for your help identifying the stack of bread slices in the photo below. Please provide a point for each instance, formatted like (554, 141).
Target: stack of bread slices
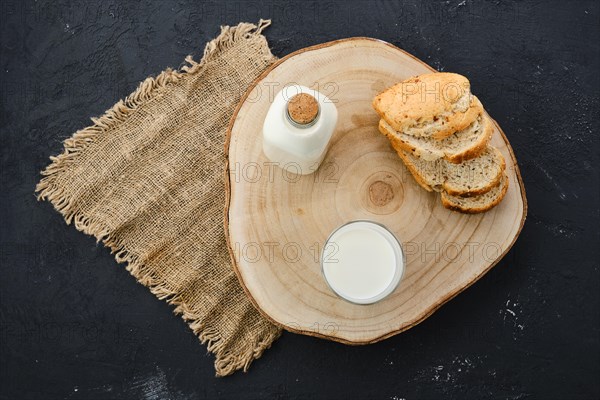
(442, 133)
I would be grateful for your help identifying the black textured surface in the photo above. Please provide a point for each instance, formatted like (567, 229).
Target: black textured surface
(76, 325)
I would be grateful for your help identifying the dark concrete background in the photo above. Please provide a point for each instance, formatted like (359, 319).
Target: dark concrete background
(76, 325)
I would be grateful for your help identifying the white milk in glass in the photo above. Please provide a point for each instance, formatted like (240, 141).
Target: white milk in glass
(362, 262)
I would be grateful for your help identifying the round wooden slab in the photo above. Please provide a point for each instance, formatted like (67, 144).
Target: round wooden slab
(277, 221)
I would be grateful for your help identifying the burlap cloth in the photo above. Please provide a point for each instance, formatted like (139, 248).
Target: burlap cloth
(146, 179)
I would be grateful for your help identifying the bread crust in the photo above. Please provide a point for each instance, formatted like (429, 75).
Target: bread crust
(468, 153)
(420, 180)
(429, 105)
(446, 202)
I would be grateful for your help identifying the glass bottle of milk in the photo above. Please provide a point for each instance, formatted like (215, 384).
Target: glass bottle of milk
(298, 128)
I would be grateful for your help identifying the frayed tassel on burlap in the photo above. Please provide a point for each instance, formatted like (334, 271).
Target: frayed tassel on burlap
(47, 189)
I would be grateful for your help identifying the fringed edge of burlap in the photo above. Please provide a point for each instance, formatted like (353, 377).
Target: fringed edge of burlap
(47, 189)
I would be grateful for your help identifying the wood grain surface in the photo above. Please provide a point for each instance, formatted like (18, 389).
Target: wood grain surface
(277, 221)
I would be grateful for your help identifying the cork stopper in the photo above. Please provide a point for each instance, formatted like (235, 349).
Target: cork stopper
(303, 109)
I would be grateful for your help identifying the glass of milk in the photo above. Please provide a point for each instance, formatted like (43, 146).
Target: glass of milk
(362, 262)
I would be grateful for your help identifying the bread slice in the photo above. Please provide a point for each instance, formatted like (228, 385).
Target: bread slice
(456, 148)
(470, 178)
(432, 105)
(477, 204)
